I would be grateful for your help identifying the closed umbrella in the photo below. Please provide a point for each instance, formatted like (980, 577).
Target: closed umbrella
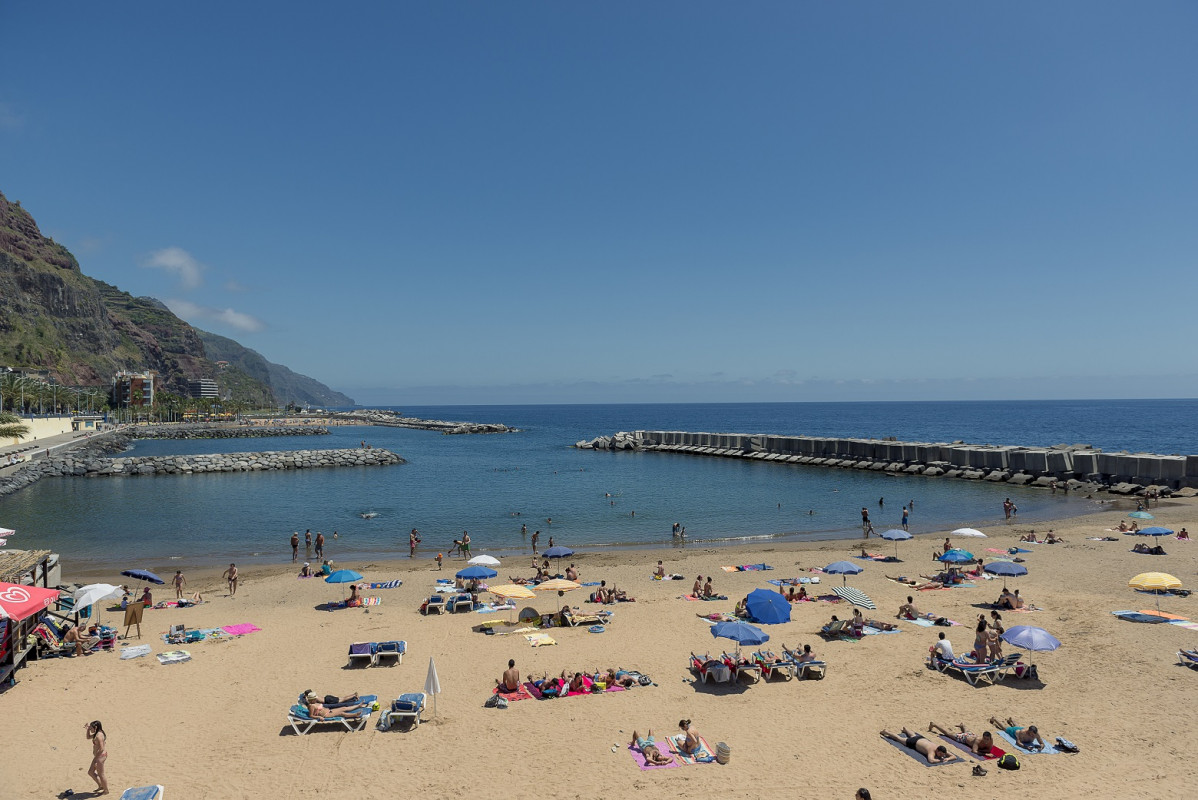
(432, 684)
(1028, 637)
(855, 596)
(1141, 515)
(476, 573)
(973, 532)
(1155, 582)
(485, 561)
(767, 608)
(843, 568)
(739, 632)
(558, 552)
(1008, 569)
(143, 575)
(896, 535)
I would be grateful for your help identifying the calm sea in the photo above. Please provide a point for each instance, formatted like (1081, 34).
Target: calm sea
(491, 485)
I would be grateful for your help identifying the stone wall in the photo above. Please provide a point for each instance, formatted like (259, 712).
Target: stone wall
(69, 465)
(1078, 466)
(186, 431)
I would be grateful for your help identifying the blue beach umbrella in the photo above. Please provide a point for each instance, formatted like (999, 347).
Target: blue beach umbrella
(558, 552)
(343, 576)
(739, 632)
(1030, 638)
(956, 556)
(1140, 515)
(767, 608)
(843, 568)
(896, 535)
(476, 572)
(1008, 569)
(1156, 530)
(143, 575)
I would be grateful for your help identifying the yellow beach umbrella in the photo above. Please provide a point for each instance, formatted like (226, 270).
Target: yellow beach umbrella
(512, 591)
(558, 585)
(1155, 582)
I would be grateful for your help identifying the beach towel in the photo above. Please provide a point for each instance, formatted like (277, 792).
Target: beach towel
(520, 694)
(690, 597)
(143, 793)
(791, 581)
(134, 651)
(1165, 615)
(540, 639)
(591, 583)
(1133, 616)
(639, 758)
(902, 748)
(1192, 626)
(927, 623)
(704, 756)
(868, 631)
(238, 630)
(995, 753)
(1048, 750)
(587, 683)
(174, 657)
(395, 584)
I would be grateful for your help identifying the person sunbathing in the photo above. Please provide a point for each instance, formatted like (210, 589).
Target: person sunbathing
(1028, 738)
(1005, 599)
(660, 572)
(708, 591)
(510, 680)
(649, 749)
(908, 611)
(800, 658)
(857, 623)
(879, 625)
(1122, 526)
(1052, 538)
(935, 754)
(742, 608)
(1183, 535)
(690, 743)
(330, 700)
(835, 621)
(976, 744)
(697, 589)
(1031, 537)
(306, 570)
(577, 683)
(318, 710)
(1135, 527)
(82, 642)
(618, 677)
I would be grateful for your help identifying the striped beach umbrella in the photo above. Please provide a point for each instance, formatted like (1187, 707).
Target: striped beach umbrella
(1155, 582)
(855, 596)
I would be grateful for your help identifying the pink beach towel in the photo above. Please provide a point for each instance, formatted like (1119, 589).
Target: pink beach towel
(238, 630)
(520, 694)
(639, 758)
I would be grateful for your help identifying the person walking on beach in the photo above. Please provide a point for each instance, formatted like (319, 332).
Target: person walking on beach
(865, 522)
(905, 514)
(308, 541)
(536, 537)
(231, 575)
(99, 740)
(319, 544)
(413, 540)
(179, 581)
(295, 547)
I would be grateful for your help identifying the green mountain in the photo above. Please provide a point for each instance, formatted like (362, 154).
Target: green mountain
(81, 330)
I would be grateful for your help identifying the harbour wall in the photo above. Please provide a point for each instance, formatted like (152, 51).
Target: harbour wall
(1076, 466)
(217, 462)
(186, 431)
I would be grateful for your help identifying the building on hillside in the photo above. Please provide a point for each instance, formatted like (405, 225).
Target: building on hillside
(133, 389)
(204, 387)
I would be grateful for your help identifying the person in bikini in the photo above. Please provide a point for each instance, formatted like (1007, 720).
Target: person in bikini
(935, 754)
(690, 744)
(99, 739)
(648, 747)
(697, 589)
(976, 744)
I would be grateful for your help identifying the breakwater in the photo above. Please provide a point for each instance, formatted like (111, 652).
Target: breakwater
(186, 431)
(390, 419)
(72, 466)
(1073, 466)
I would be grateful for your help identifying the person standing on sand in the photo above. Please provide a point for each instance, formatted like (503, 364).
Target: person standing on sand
(231, 575)
(905, 514)
(99, 739)
(319, 544)
(295, 547)
(536, 537)
(179, 581)
(308, 541)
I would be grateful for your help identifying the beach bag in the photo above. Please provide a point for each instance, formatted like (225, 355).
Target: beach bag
(1067, 746)
(644, 680)
(1008, 762)
(384, 723)
(495, 701)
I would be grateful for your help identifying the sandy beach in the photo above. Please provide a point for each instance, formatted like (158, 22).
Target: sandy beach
(215, 727)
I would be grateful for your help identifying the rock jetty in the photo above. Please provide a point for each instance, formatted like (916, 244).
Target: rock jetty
(1077, 467)
(73, 466)
(186, 431)
(390, 419)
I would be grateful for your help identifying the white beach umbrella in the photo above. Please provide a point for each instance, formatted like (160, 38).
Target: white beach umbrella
(485, 561)
(432, 684)
(969, 532)
(94, 593)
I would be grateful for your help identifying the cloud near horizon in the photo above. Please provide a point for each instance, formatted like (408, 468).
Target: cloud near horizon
(226, 316)
(180, 263)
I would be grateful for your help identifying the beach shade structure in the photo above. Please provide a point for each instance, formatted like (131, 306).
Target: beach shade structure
(739, 632)
(855, 596)
(1141, 515)
(432, 684)
(558, 552)
(1155, 582)
(512, 591)
(1155, 530)
(1027, 637)
(476, 573)
(896, 535)
(767, 607)
(558, 585)
(1008, 569)
(484, 561)
(143, 575)
(972, 532)
(343, 576)
(843, 568)
(93, 593)
(956, 556)
(19, 602)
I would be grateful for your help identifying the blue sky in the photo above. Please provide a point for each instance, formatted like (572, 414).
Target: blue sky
(625, 202)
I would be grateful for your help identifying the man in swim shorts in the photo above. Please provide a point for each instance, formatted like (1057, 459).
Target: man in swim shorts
(649, 750)
(913, 741)
(1028, 738)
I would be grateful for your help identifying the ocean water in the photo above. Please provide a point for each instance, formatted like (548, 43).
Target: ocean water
(492, 484)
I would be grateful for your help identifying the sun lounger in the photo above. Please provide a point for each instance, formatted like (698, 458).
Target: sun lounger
(388, 650)
(302, 722)
(459, 603)
(1008, 665)
(406, 706)
(434, 603)
(1188, 658)
(710, 669)
(784, 669)
(362, 653)
(840, 629)
(973, 673)
(601, 618)
(742, 665)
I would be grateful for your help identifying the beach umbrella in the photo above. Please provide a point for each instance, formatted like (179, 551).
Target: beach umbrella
(512, 591)
(485, 561)
(855, 596)
(1008, 569)
(896, 535)
(1155, 530)
(558, 585)
(969, 532)
(1141, 515)
(343, 576)
(767, 608)
(843, 568)
(1155, 582)
(18, 601)
(476, 573)
(739, 632)
(956, 556)
(93, 593)
(1027, 637)
(558, 552)
(432, 684)
(143, 575)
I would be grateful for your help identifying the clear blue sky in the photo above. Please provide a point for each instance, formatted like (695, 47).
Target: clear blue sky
(570, 202)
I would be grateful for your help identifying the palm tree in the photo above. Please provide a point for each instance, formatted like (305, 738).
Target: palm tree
(11, 426)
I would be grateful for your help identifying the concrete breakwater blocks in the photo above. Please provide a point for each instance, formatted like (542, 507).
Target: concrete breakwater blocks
(218, 462)
(221, 431)
(1077, 466)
